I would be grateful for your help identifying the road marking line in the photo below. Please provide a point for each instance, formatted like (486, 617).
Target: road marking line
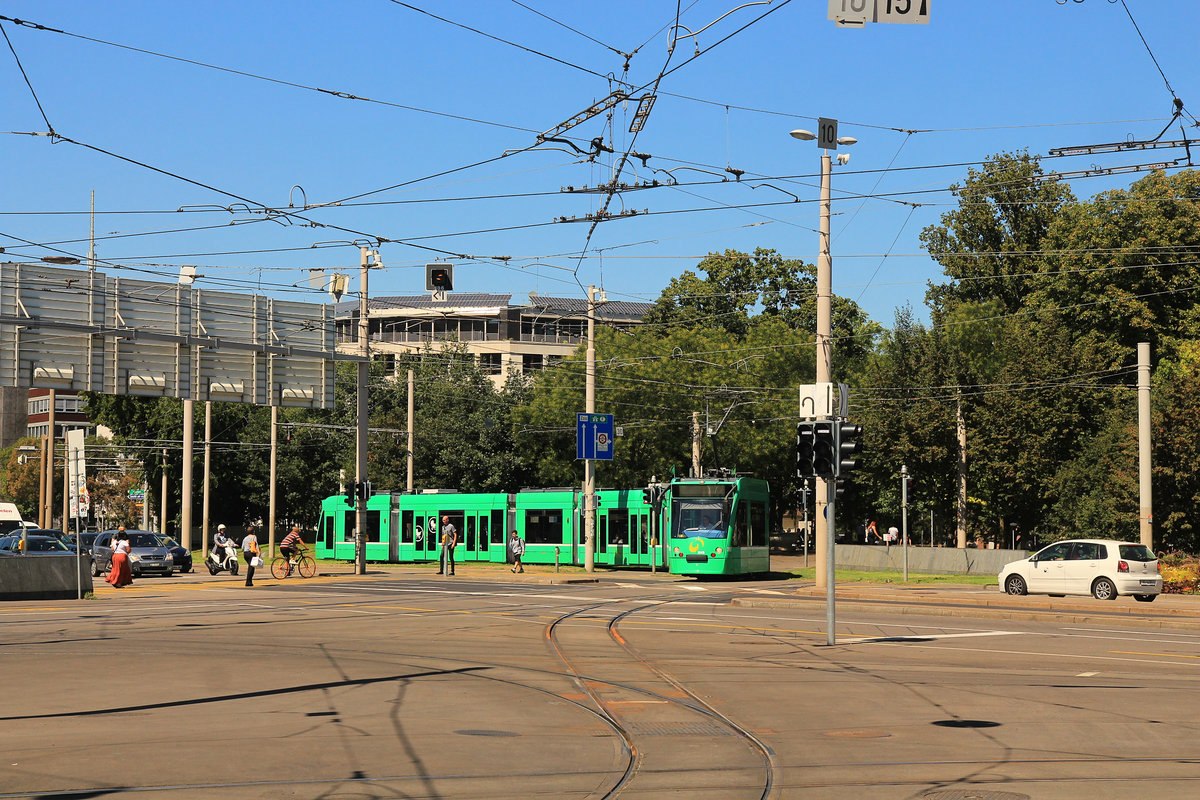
(1087, 674)
(1140, 653)
(694, 588)
(924, 638)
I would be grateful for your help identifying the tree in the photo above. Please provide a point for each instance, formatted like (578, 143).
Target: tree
(990, 246)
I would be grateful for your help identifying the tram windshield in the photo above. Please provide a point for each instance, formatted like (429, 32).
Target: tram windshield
(706, 517)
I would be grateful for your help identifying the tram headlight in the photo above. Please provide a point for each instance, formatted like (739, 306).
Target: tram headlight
(718, 551)
(678, 551)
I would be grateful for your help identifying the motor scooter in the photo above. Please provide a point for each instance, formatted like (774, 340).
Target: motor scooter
(222, 557)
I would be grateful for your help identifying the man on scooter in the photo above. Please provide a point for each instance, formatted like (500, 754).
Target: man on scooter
(220, 542)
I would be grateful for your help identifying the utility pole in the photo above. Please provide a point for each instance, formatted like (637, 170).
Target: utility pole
(904, 516)
(163, 499)
(1145, 497)
(273, 476)
(207, 476)
(360, 445)
(589, 468)
(185, 509)
(50, 466)
(409, 448)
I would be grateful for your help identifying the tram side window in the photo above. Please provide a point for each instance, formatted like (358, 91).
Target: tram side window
(348, 522)
(644, 533)
(468, 538)
(328, 525)
(372, 530)
(543, 526)
(618, 526)
(602, 533)
(741, 526)
(406, 527)
(758, 525)
(483, 533)
(497, 527)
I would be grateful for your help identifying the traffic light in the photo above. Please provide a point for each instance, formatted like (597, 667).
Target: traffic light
(824, 449)
(439, 277)
(351, 491)
(848, 446)
(804, 449)
(364, 490)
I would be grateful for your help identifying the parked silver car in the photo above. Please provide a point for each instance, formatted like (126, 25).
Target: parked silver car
(148, 554)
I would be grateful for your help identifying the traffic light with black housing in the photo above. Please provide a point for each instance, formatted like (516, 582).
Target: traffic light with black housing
(849, 445)
(351, 493)
(804, 449)
(439, 277)
(825, 459)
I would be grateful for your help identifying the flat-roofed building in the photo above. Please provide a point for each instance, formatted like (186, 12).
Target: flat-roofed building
(504, 338)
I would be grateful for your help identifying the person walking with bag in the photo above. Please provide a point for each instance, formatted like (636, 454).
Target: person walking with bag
(251, 554)
(517, 545)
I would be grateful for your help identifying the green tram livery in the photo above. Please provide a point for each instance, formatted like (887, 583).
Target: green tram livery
(718, 526)
(630, 526)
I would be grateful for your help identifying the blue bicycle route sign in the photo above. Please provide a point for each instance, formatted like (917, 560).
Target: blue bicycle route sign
(594, 437)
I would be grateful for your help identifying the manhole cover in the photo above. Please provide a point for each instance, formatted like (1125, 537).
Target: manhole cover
(862, 733)
(486, 733)
(973, 794)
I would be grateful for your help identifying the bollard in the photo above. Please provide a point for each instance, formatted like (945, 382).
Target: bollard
(556, 559)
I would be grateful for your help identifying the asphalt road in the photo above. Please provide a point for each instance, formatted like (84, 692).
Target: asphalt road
(490, 685)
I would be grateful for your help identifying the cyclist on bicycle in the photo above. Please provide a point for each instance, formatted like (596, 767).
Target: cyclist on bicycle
(292, 545)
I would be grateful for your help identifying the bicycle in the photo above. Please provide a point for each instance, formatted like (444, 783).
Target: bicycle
(282, 567)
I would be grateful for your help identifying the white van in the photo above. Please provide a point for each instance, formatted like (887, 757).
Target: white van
(10, 518)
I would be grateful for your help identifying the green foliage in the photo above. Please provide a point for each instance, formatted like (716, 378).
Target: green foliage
(990, 245)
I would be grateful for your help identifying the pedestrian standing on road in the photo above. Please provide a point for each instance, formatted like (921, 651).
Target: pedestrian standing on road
(517, 545)
(892, 536)
(871, 531)
(449, 540)
(120, 574)
(250, 552)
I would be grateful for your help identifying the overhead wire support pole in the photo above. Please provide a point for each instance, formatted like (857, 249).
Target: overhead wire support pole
(589, 466)
(360, 444)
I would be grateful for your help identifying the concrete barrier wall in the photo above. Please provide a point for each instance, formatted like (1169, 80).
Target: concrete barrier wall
(931, 560)
(42, 577)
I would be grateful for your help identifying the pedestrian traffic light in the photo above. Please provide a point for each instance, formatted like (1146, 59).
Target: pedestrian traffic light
(439, 277)
(824, 449)
(804, 449)
(849, 445)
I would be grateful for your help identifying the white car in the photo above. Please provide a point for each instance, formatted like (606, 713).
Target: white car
(1102, 568)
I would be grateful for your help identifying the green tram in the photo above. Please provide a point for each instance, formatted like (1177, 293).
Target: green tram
(691, 526)
(405, 528)
(718, 525)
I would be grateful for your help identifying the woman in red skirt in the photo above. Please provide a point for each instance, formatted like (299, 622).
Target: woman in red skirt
(120, 574)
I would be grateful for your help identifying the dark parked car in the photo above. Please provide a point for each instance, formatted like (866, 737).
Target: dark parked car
(147, 554)
(182, 556)
(35, 545)
(88, 540)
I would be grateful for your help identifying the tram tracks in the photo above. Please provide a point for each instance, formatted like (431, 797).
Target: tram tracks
(609, 693)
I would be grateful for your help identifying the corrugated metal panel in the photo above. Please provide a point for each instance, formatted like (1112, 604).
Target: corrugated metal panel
(229, 375)
(144, 366)
(81, 330)
(43, 356)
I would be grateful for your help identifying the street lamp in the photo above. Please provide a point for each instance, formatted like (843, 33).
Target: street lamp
(824, 332)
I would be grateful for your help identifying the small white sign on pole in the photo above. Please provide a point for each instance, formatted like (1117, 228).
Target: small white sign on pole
(816, 401)
(80, 501)
(857, 13)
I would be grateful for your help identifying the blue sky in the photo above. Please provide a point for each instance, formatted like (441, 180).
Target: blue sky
(420, 162)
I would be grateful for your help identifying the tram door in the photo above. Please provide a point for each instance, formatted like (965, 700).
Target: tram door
(473, 536)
